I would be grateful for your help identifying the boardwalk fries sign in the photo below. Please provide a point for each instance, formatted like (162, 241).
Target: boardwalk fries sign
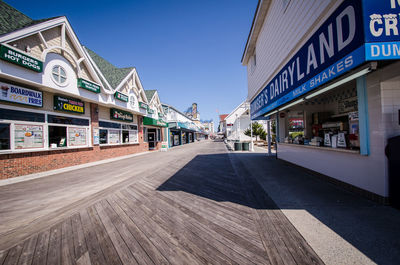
(21, 95)
(69, 104)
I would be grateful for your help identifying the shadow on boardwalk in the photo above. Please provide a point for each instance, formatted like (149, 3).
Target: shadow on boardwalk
(371, 228)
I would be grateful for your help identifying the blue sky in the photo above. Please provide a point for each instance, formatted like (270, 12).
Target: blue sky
(189, 51)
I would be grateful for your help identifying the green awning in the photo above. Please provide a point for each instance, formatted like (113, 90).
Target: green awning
(154, 122)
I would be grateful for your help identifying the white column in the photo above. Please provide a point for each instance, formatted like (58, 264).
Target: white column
(269, 136)
(251, 136)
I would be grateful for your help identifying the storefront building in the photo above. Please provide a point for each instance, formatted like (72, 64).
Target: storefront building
(182, 129)
(155, 128)
(59, 104)
(331, 85)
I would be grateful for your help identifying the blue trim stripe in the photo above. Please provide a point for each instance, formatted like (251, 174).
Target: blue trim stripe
(363, 121)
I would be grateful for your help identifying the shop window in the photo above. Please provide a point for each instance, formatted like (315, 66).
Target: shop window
(67, 120)
(145, 134)
(125, 137)
(107, 124)
(329, 120)
(77, 136)
(57, 136)
(158, 135)
(103, 136)
(28, 136)
(114, 136)
(59, 75)
(7, 114)
(4, 136)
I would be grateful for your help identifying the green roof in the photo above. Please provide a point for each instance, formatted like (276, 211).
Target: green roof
(150, 94)
(11, 19)
(114, 75)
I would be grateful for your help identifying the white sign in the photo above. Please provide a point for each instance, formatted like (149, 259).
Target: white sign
(28, 136)
(21, 95)
(76, 136)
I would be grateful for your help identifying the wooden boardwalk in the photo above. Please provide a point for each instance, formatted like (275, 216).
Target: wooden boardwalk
(176, 216)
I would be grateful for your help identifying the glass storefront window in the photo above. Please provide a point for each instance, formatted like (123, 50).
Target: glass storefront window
(103, 136)
(76, 136)
(113, 136)
(57, 136)
(28, 136)
(4, 136)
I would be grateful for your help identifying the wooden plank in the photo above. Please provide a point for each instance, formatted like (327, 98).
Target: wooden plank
(67, 243)
(3, 255)
(119, 244)
(94, 249)
(13, 255)
(84, 259)
(28, 251)
(215, 217)
(78, 237)
(132, 243)
(40, 256)
(166, 244)
(242, 254)
(54, 252)
(107, 247)
(145, 243)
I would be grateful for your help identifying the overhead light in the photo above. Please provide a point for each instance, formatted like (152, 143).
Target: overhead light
(340, 82)
(270, 113)
(292, 104)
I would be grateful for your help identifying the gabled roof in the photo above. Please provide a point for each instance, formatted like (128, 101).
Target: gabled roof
(11, 19)
(150, 94)
(223, 116)
(114, 75)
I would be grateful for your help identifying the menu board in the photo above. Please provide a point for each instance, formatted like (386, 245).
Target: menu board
(133, 138)
(113, 136)
(76, 136)
(28, 136)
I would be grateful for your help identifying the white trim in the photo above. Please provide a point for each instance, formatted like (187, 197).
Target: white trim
(63, 36)
(44, 42)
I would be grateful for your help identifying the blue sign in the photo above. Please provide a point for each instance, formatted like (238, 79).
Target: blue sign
(333, 50)
(382, 51)
(381, 20)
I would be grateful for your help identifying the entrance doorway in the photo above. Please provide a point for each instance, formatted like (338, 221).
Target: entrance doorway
(151, 138)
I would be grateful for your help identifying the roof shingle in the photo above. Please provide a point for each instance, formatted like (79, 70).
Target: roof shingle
(150, 94)
(114, 75)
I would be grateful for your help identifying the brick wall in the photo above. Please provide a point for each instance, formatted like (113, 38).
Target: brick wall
(18, 164)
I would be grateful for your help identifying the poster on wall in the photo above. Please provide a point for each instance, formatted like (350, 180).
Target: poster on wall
(133, 138)
(113, 136)
(96, 136)
(76, 136)
(28, 136)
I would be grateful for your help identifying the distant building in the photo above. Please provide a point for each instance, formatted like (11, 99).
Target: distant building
(222, 124)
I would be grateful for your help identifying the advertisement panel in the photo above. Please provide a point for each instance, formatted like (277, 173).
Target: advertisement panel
(28, 136)
(82, 83)
(76, 136)
(21, 95)
(121, 115)
(19, 58)
(120, 96)
(334, 49)
(69, 104)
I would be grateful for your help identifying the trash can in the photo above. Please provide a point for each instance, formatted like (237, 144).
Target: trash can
(245, 146)
(238, 146)
(392, 152)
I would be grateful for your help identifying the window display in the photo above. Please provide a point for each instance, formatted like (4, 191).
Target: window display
(28, 136)
(113, 136)
(76, 136)
(4, 136)
(57, 136)
(330, 120)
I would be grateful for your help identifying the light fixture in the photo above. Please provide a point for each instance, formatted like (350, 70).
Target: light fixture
(340, 82)
(270, 113)
(292, 104)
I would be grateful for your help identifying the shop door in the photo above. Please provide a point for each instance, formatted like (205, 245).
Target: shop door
(151, 137)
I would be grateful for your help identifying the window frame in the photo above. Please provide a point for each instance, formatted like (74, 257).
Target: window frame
(45, 125)
(120, 129)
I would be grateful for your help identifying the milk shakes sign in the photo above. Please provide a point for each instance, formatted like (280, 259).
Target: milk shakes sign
(334, 49)
(382, 29)
(21, 95)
